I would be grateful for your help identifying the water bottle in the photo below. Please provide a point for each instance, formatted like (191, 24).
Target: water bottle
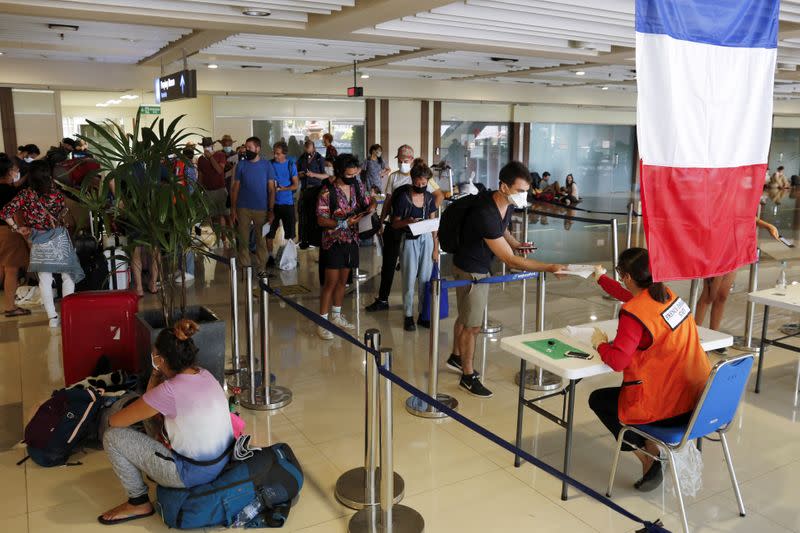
(781, 283)
(248, 513)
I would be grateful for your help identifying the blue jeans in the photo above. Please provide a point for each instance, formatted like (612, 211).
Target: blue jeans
(416, 264)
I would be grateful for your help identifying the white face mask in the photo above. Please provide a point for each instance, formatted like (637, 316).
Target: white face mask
(153, 362)
(329, 171)
(518, 199)
(405, 168)
(28, 159)
(16, 177)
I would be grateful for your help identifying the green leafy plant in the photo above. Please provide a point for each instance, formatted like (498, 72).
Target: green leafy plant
(156, 209)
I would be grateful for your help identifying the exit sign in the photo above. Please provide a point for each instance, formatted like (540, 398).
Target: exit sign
(150, 109)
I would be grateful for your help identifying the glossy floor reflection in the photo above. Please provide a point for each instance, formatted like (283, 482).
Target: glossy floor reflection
(459, 481)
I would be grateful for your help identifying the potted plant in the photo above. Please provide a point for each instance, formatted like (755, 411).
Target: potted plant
(158, 211)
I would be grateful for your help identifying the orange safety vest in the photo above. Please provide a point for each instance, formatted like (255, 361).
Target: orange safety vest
(665, 379)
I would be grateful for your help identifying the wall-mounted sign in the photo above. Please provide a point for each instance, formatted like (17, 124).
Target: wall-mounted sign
(176, 86)
(150, 109)
(355, 91)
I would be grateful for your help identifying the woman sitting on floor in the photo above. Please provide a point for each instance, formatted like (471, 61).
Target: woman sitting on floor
(657, 348)
(197, 437)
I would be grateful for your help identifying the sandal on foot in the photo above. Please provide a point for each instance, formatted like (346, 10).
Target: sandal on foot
(115, 521)
(17, 312)
(652, 478)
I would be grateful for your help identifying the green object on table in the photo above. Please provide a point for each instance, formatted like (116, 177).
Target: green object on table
(553, 348)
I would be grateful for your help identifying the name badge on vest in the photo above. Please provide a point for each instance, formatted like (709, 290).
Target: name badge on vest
(676, 313)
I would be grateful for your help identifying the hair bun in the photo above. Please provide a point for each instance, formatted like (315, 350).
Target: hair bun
(185, 328)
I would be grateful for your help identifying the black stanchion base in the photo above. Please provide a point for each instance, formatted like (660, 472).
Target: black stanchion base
(350, 488)
(404, 520)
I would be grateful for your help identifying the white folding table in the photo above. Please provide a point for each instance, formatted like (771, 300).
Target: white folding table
(574, 370)
(788, 299)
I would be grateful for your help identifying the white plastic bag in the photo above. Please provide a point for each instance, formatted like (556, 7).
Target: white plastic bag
(27, 296)
(689, 465)
(288, 259)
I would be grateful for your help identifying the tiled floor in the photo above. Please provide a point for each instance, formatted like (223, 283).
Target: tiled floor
(457, 480)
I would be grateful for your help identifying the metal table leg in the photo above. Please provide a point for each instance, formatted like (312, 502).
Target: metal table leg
(520, 412)
(568, 447)
(764, 326)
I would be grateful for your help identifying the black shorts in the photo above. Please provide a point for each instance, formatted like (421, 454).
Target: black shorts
(285, 214)
(340, 256)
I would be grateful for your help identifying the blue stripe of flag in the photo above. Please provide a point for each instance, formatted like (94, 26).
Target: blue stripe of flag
(734, 23)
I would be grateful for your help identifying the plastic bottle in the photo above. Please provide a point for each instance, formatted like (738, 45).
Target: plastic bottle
(248, 513)
(781, 283)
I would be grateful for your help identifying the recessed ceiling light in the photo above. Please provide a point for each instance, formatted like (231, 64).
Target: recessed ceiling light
(365, 76)
(580, 73)
(213, 65)
(114, 101)
(246, 47)
(604, 88)
(256, 12)
(101, 105)
(62, 27)
(129, 96)
(1, 53)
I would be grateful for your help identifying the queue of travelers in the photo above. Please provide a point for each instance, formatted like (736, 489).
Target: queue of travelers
(664, 367)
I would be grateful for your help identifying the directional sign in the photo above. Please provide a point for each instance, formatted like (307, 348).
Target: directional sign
(150, 109)
(176, 86)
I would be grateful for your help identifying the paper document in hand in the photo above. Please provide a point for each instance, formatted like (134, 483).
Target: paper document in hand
(365, 224)
(425, 226)
(583, 271)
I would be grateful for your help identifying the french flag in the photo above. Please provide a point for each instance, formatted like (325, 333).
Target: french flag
(705, 74)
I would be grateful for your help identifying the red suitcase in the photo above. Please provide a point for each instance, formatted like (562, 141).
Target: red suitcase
(96, 323)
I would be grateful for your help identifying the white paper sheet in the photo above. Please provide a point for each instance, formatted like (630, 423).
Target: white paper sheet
(425, 226)
(584, 334)
(583, 271)
(265, 230)
(365, 224)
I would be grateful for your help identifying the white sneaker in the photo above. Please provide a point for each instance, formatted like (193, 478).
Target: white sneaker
(324, 334)
(55, 322)
(342, 322)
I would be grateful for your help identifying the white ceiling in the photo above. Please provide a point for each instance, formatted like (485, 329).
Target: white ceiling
(537, 42)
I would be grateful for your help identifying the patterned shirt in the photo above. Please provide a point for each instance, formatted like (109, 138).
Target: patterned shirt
(344, 208)
(38, 212)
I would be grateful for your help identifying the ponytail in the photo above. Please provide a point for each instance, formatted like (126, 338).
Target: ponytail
(635, 262)
(658, 292)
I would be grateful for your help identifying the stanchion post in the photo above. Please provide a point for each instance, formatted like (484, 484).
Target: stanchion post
(265, 397)
(746, 342)
(484, 340)
(414, 405)
(537, 378)
(694, 293)
(358, 488)
(391, 518)
(629, 227)
(248, 320)
(235, 349)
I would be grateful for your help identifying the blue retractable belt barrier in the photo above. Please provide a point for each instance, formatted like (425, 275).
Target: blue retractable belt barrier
(558, 204)
(508, 278)
(650, 527)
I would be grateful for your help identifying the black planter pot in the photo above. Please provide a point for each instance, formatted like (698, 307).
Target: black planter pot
(210, 339)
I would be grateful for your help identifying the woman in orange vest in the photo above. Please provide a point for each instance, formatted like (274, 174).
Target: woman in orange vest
(657, 349)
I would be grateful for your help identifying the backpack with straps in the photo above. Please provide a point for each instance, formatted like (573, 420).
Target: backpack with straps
(452, 222)
(272, 476)
(61, 424)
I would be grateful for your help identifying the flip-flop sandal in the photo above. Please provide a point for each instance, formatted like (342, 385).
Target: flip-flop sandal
(651, 480)
(17, 312)
(123, 520)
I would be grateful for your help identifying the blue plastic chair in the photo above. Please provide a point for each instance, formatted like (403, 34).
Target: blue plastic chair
(714, 412)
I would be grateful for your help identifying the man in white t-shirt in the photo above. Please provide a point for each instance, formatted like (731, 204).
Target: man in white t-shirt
(392, 239)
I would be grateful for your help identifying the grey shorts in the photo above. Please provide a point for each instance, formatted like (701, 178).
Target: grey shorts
(472, 299)
(217, 201)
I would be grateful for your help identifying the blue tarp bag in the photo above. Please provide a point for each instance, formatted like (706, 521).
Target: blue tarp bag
(444, 303)
(272, 475)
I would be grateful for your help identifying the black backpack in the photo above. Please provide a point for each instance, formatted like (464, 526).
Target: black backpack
(61, 425)
(452, 222)
(93, 262)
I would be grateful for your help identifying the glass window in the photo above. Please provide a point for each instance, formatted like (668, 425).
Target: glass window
(785, 150)
(600, 157)
(475, 150)
(348, 137)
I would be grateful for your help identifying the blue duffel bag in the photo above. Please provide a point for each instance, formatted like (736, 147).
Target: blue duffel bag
(272, 476)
